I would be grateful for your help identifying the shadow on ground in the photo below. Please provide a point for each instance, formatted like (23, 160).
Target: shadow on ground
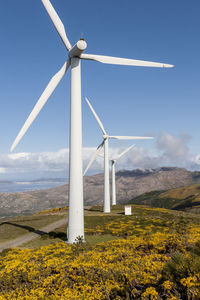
(52, 234)
(96, 209)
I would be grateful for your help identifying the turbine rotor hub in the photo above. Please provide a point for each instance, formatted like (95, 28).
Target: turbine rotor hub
(78, 48)
(105, 136)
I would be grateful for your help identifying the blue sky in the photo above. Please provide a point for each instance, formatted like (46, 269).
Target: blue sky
(129, 100)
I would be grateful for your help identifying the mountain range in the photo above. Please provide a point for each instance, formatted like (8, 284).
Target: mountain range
(130, 184)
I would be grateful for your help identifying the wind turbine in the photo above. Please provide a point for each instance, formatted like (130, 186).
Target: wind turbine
(113, 161)
(75, 54)
(104, 143)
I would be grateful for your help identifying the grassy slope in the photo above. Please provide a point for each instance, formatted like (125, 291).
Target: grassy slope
(184, 198)
(95, 224)
(149, 255)
(14, 227)
(97, 229)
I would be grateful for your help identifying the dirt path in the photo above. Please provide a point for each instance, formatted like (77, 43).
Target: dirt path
(33, 235)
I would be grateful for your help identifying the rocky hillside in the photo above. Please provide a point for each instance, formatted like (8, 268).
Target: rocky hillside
(183, 198)
(130, 184)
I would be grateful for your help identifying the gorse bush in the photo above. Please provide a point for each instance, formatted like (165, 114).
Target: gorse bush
(154, 262)
(184, 268)
(109, 270)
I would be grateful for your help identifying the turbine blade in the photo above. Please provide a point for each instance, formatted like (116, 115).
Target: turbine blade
(124, 61)
(124, 152)
(57, 23)
(95, 115)
(93, 157)
(41, 102)
(130, 137)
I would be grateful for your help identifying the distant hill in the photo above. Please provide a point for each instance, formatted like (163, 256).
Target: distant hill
(130, 184)
(184, 198)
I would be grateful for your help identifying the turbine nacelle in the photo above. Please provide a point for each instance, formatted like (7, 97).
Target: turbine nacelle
(105, 136)
(78, 48)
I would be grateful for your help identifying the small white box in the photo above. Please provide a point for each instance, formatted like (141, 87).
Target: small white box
(128, 211)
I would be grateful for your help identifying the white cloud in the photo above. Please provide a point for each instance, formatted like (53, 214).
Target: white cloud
(2, 170)
(175, 149)
(20, 163)
(197, 159)
(16, 156)
(169, 151)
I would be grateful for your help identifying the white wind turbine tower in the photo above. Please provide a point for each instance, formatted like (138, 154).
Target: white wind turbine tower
(106, 137)
(75, 54)
(113, 161)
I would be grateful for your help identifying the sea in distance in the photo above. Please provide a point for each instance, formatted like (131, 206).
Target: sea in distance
(23, 186)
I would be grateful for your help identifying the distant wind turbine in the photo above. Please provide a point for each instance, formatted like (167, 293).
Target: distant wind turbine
(113, 161)
(75, 54)
(104, 143)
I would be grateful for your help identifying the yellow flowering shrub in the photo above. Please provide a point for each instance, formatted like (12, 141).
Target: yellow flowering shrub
(150, 293)
(153, 260)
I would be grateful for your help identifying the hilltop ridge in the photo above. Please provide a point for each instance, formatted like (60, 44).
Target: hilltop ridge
(185, 198)
(130, 184)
